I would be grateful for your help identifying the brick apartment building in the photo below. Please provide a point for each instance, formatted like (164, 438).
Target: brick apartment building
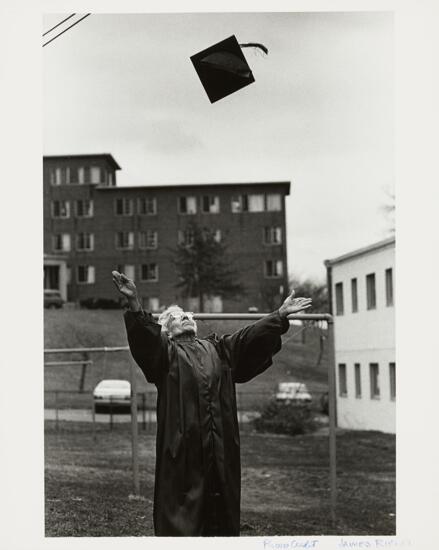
(92, 226)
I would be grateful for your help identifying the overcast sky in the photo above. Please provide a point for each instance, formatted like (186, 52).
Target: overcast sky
(320, 113)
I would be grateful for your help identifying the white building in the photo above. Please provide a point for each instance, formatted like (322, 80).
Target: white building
(362, 301)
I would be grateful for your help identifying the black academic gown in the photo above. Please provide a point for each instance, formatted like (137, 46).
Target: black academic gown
(197, 447)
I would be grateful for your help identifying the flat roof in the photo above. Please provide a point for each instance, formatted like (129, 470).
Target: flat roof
(361, 251)
(107, 156)
(286, 184)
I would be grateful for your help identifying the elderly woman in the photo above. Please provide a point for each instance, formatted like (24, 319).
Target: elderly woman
(197, 476)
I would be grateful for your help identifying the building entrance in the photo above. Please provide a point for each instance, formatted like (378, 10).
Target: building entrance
(51, 277)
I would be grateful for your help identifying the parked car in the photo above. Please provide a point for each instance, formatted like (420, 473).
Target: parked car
(292, 393)
(52, 299)
(112, 395)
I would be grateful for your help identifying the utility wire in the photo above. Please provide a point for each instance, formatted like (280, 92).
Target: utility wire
(65, 30)
(60, 23)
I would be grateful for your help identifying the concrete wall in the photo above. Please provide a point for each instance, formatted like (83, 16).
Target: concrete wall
(364, 337)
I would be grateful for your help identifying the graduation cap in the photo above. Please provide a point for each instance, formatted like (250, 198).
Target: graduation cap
(223, 69)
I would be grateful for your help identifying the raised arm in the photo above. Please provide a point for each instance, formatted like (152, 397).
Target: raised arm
(147, 345)
(250, 350)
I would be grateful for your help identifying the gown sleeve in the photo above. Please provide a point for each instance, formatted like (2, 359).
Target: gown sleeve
(249, 351)
(147, 344)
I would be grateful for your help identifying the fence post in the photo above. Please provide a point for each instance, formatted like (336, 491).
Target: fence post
(332, 420)
(56, 410)
(111, 413)
(144, 411)
(85, 357)
(93, 416)
(134, 429)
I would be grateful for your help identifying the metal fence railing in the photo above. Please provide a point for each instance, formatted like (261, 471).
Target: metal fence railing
(81, 356)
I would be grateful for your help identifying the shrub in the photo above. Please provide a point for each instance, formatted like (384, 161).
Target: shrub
(100, 303)
(285, 419)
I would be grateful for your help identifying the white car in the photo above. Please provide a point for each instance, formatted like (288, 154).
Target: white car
(292, 392)
(112, 395)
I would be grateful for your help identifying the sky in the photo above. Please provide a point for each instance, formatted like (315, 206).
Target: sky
(320, 113)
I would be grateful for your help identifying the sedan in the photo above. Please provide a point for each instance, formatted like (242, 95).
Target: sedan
(293, 393)
(112, 396)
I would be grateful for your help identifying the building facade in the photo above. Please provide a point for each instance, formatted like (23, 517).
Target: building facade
(92, 226)
(362, 302)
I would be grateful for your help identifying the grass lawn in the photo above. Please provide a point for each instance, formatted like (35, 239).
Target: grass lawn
(97, 328)
(285, 483)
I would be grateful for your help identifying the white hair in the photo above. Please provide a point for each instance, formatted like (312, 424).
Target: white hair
(166, 314)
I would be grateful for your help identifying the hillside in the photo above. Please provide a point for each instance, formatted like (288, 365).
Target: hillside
(98, 328)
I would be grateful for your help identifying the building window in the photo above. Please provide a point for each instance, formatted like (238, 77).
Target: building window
(217, 235)
(61, 242)
(123, 207)
(147, 206)
(73, 175)
(185, 237)
(354, 295)
(128, 270)
(85, 274)
(187, 205)
(90, 174)
(339, 303)
(273, 268)
(389, 286)
(151, 303)
(392, 376)
(272, 235)
(148, 239)
(84, 208)
(84, 176)
(256, 202)
(274, 202)
(371, 291)
(210, 204)
(59, 175)
(95, 174)
(149, 272)
(125, 240)
(52, 177)
(357, 368)
(374, 381)
(60, 209)
(85, 241)
(238, 204)
(342, 380)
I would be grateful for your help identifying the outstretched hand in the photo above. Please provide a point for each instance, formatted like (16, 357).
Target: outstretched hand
(294, 305)
(124, 284)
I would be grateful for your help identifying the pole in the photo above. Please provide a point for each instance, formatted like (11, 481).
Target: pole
(332, 421)
(83, 371)
(144, 411)
(111, 413)
(93, 415)
(56, 411)
(134, 430)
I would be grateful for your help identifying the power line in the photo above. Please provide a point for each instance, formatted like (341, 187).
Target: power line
(60, 23)
(65, 30)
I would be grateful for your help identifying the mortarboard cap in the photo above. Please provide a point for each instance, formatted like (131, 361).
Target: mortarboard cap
(222, 69)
